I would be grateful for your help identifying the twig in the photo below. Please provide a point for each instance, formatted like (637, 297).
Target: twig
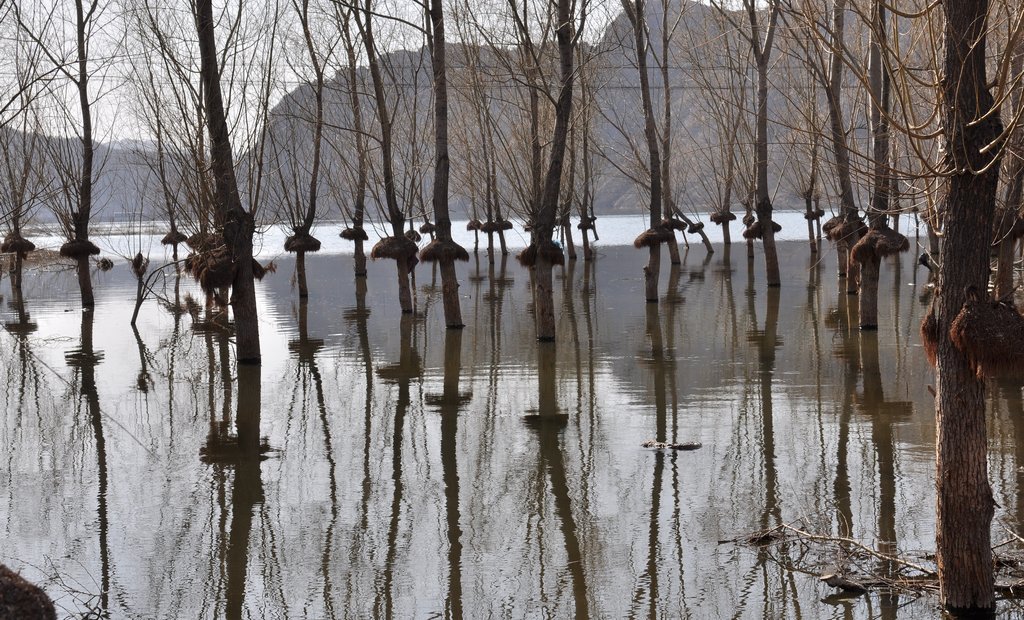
(861, 546)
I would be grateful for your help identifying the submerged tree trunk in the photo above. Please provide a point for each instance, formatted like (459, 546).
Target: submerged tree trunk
(85, 281)
(80, 218)
(300, 274)
(636, 12)
(447, 249)
(396, 216)
(849, 234)
(545, 209)
(878, 84)
(238, 223)
(965, 505)
(808, 215)
(362, 165)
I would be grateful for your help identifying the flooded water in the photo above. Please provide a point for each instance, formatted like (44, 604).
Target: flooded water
(412, 472)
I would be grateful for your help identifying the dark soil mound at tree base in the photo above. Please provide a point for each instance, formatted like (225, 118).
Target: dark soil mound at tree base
(174, 237)
(548, 249)
(438, 250)
(653, 237)
(720, 218)
(15, 243)
(879, 243)
(302, 242)
(351, 234)
(756, 230)
(394, 247)
(79, 247)
(20, 600)
(991, 334)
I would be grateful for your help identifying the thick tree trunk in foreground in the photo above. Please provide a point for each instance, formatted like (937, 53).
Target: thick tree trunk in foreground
(238, 223)
(965, 505)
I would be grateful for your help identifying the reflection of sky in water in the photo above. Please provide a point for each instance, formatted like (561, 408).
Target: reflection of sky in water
(345, 528)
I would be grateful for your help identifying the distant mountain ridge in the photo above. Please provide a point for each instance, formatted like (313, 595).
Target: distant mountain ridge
(119, 191)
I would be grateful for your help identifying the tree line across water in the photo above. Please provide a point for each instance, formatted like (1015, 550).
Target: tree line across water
(918, 105)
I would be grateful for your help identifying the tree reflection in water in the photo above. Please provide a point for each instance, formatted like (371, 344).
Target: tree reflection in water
(83, 360)
(408, 483)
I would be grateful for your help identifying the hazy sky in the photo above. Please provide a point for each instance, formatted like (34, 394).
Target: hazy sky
(115, 49)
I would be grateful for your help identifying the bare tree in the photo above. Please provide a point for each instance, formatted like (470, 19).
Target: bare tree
(23, 185)
(971, 129)
(881, 240)
(301, 161)
(233, 265)
(353, 87)
(761, 48)
(825, 56)
(442, 249)
(396, 246)
(76, 66)
(656, 234)
(542, 253)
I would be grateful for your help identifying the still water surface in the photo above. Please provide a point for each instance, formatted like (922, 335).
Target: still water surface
(412, 472)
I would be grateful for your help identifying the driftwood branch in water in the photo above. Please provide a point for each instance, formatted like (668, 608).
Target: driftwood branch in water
(661, 445)
(838, 581)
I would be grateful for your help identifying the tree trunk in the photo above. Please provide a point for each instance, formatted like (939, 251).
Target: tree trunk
(673, 251)
(449, 279)
(238, 224)
(764, 203)
(878, 84)
(404, 290)
(636, 11)
(545, 209)
(85, 282)
(837, 124)
(396, 217)
(81, 217)
(870, 271)
(842, 259)
(16, 271)
(543, 299)
(139, 297)
(450, 295)
(965, 505)
(362, 172)
(809, 212)
(651, 274)
(300, 274)
(570, 245)
(359, 259)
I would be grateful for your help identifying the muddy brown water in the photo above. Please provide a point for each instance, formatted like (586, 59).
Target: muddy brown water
(376, 466)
